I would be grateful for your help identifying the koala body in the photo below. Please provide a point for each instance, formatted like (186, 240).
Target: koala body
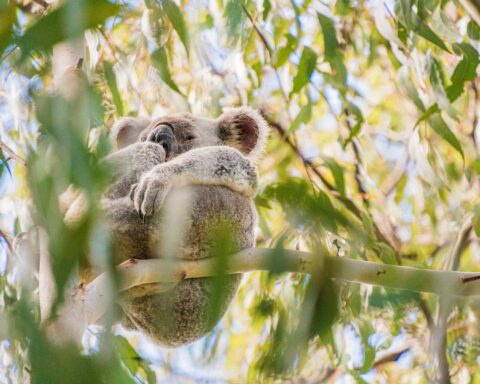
(210, 163)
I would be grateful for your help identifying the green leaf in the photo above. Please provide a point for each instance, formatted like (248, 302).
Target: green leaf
(175, 16)
(438, 82)
(473, 30)
(304, 116)
(404, 10)
(442, 129)
(285, 51)
(67, 22)
(358, 124)
(426, 32)
(8, 16)
(343, 7)
(476, 220)
(112, 85)
(329, 37)
(429, 112)
(267, 6)
(369, 352)
(385, 253)
(332, 53)
(338, 174)
(305, 69)
(132, 360)
(235, 16)
(4, 164)
(465, 70)
(325, 308)
(443, 27)
(404, 81)
(160, 62)
(128, 354)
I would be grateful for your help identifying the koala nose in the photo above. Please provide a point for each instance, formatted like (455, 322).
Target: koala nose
(162, 134)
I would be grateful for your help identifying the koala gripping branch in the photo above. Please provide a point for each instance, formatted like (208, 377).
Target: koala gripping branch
(90, 302)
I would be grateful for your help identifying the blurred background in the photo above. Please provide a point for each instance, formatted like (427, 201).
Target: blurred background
(373, 155)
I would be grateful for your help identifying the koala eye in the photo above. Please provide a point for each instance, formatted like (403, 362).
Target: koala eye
(190, 137)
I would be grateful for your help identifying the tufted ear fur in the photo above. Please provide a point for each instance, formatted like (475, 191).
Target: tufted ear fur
(243, 128)
(126, 131)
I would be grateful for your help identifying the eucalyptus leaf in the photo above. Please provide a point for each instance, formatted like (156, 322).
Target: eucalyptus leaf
(308, 60)
(175, 16)
(466, 70)
(160, 62)
(235, 18)
(66, 22)
(442, 129)
(303, 117)
(112, 85)
(8, 17)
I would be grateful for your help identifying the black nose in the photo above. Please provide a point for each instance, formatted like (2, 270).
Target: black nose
(163, 135)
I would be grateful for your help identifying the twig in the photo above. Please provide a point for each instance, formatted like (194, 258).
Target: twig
(475, 114)
(12, 153)
(43, 3)
(259, 33)
(439, 330)
(307, 163)
(334, 373)
(473, 9)
(395, 175)
(114, 55)
(7, 240)
(358, 179)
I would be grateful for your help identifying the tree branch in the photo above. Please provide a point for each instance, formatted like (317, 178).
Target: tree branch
(473, 9)
(439, 330)
(87, 303)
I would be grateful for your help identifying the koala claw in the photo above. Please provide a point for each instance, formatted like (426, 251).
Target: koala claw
(146, 195)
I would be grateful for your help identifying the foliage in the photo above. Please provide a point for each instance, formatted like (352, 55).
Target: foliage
(374, 154)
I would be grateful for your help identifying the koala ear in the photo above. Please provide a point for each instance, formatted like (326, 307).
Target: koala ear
(126, 131)
(243, 128)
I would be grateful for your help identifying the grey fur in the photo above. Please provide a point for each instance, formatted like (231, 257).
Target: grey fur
(212, 159)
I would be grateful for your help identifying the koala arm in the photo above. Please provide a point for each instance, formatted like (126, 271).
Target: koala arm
(216, 165)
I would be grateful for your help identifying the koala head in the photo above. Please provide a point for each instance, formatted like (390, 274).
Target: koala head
(241, 128)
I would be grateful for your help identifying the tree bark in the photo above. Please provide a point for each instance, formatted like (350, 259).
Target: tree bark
(87, 303)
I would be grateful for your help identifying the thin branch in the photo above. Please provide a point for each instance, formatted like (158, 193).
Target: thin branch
(439, 330)
(308, 164)
(114, 55)
(473, 9)
(334, 373)
(259, 33)
(475, 115)
(7, 239)
(358, 178)
(395, 175)
(282, 132)
(43, 3)
(12, 153)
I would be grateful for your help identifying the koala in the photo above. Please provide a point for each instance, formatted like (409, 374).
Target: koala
(155, 162)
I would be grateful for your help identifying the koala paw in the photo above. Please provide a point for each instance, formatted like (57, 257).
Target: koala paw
(149, 193)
